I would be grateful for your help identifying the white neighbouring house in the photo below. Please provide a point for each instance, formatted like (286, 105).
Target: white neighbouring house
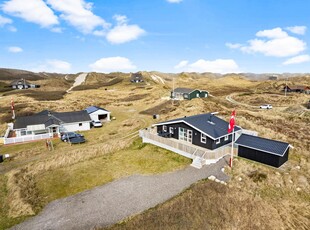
(98, 114)
(46, 124)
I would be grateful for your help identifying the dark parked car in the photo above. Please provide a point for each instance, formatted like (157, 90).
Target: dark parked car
(70, 135)
(77, 140)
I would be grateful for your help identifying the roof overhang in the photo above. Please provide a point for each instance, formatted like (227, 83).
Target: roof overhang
(180, 121)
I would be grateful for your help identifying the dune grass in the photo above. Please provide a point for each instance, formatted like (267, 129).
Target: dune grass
(5, 221)
(139, 158)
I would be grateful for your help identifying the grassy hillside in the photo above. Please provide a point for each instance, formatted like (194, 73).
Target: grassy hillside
(34, 176)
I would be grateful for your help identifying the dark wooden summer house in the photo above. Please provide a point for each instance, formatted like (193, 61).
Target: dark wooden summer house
(204, 130)
(204, 138)
(297, 88)
(188, 94)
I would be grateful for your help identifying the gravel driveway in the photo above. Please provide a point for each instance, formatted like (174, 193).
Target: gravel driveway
(112, 202)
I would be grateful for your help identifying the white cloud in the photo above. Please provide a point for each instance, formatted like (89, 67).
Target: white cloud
(78, 13)
(174, 1)
(56, 30)
(297, 29)
(297, 59)
(233, 46)
(123, 32)
(181, 64)
(4, 21)
(12, 29)
(35, 11)
(274, 42)
(53, 66)
(15, 49)
(215, 66)
(112, 64)
(273, 33)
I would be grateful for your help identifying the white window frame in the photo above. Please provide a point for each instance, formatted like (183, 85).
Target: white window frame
(171, 130)
(226, 138)
(203, 138)
(165, 128)
(218, 141)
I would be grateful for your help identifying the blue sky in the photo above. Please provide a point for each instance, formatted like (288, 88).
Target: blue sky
(221, 36)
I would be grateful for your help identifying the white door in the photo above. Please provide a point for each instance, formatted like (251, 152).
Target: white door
(185, 135)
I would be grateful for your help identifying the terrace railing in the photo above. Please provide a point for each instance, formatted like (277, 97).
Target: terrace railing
(13, 140)
(183, 148)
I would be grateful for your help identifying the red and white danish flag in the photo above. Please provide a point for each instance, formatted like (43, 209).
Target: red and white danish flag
(232, 122)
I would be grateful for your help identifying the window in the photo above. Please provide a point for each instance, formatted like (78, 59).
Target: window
(171, 130)
(185, 135)
(203, 138)
(165, 128)
(218, 141)
(226, 138)
(80, 124)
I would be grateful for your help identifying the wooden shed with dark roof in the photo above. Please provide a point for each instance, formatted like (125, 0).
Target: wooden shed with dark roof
(188, 94)
(266, 151)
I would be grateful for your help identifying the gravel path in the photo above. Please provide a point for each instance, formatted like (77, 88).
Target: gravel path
(110, 203)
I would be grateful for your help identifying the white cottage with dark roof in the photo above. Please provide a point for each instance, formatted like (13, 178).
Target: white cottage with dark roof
(48, 124)
(22, 84)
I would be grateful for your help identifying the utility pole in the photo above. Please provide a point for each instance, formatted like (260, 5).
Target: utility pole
(172, 96)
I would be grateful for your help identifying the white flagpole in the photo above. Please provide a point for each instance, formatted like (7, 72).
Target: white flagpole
(232, 147)
(12, 108)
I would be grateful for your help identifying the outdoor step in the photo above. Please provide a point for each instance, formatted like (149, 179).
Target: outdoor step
(197, 163)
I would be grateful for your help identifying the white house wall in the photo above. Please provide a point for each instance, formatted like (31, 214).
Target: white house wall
(94, 115)
(72, 127)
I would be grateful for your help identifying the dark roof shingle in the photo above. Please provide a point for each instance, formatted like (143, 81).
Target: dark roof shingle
(209, 124)
(183, 90)
(92, 109)
(49, 118)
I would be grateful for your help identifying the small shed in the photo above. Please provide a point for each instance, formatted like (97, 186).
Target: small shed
(273, 77)
(136, 77)
(266, 151)
(188, 94)
(98, 114)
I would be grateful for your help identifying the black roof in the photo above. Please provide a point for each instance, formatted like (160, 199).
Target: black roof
(51, 118)
(266, 145)
(20, 82)
(136, 76)
(183, 90)
(209, 124)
